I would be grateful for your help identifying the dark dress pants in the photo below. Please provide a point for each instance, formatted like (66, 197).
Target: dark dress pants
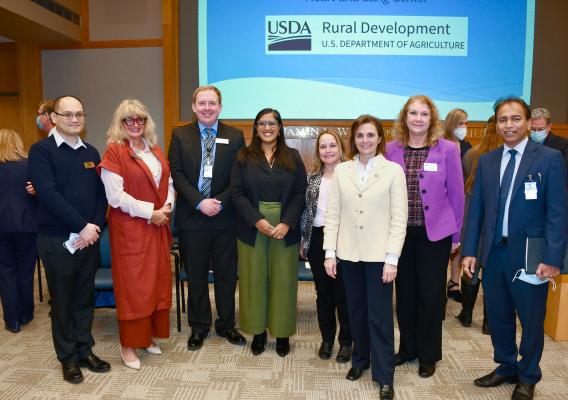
(71, 280)
(505, 299)
(198, 248)
(369, 302)
(330, 294)
(420, 289)
(17, 264)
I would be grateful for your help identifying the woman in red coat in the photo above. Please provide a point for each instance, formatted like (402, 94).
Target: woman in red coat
(140, 192)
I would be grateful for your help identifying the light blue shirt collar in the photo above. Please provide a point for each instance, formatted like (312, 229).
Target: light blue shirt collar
(203, 127)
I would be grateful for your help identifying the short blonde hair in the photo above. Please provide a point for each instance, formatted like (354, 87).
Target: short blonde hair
(317, 164)
(434, 131)
(127, 109)
(11, 146)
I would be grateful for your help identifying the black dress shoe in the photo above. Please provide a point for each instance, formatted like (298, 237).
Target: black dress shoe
(324, 351)
(94, 363)
(387, 392)
(71, 372)
(13, 327)
(24, 321)
(523, 391)
(426, 370)
(399, 360)
(355, 373)
(258, 343)
(195, 341)
(494, 380)
(233, 336)
(344, 354)
(282, 346)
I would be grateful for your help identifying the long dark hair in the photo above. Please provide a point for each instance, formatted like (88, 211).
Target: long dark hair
(282, 155)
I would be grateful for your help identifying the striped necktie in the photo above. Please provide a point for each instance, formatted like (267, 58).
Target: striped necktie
(208, 143)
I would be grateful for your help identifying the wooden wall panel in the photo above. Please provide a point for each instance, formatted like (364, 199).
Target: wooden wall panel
(8, 70)
(30, 89)
(10, 113)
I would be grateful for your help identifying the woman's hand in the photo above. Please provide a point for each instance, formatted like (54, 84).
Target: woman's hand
(389, 273)
(30, 188)
(280, 231)
(455, 247)
(160, 217)
(302, 255)
(264, 227)
(330, 265)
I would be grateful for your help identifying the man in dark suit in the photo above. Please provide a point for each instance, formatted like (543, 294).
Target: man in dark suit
(541, 125)
(519, 192)
(201, 157)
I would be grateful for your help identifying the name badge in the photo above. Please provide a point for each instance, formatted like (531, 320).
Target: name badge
(208, 171)
(89, 164)
(430, 166)
(221, 140)
(531, 192)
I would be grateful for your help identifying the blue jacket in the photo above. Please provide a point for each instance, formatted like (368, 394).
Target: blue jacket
(18, 209)
(546, 216)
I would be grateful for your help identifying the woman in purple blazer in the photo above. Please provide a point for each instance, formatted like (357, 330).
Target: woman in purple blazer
(435, 213)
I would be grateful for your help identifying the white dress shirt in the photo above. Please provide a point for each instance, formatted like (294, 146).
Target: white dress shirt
(520, 148)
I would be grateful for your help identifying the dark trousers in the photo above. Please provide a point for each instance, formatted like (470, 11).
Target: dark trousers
(369, 302)
(71, 280)
(330, 294)
(420, 291)
(505, 300)
(198, 248)
(17, 263)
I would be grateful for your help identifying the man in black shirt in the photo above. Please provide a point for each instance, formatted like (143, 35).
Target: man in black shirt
(71, 211)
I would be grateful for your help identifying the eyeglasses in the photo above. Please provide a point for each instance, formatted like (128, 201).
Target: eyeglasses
(267, 123)
(69, 115)
(132, 121)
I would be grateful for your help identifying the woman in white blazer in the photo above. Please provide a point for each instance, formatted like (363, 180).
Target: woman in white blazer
(365, 227)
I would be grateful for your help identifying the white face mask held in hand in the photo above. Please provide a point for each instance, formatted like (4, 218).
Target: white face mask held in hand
(533, 279)
(460, 133)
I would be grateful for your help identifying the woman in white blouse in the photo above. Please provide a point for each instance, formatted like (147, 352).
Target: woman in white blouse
(140, 191)
(365, 226)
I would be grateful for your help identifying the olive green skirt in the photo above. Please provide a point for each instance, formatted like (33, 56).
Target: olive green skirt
(268, 281)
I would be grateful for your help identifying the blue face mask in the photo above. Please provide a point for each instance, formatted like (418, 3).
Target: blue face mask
(539, 136)
(533, 279)
(39, 123)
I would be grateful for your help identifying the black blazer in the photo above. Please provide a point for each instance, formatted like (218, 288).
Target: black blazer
(559, 143)
(244, 192)
(185, 162)
(18, 209)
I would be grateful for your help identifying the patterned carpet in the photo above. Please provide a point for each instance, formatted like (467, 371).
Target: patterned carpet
(30, 370)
